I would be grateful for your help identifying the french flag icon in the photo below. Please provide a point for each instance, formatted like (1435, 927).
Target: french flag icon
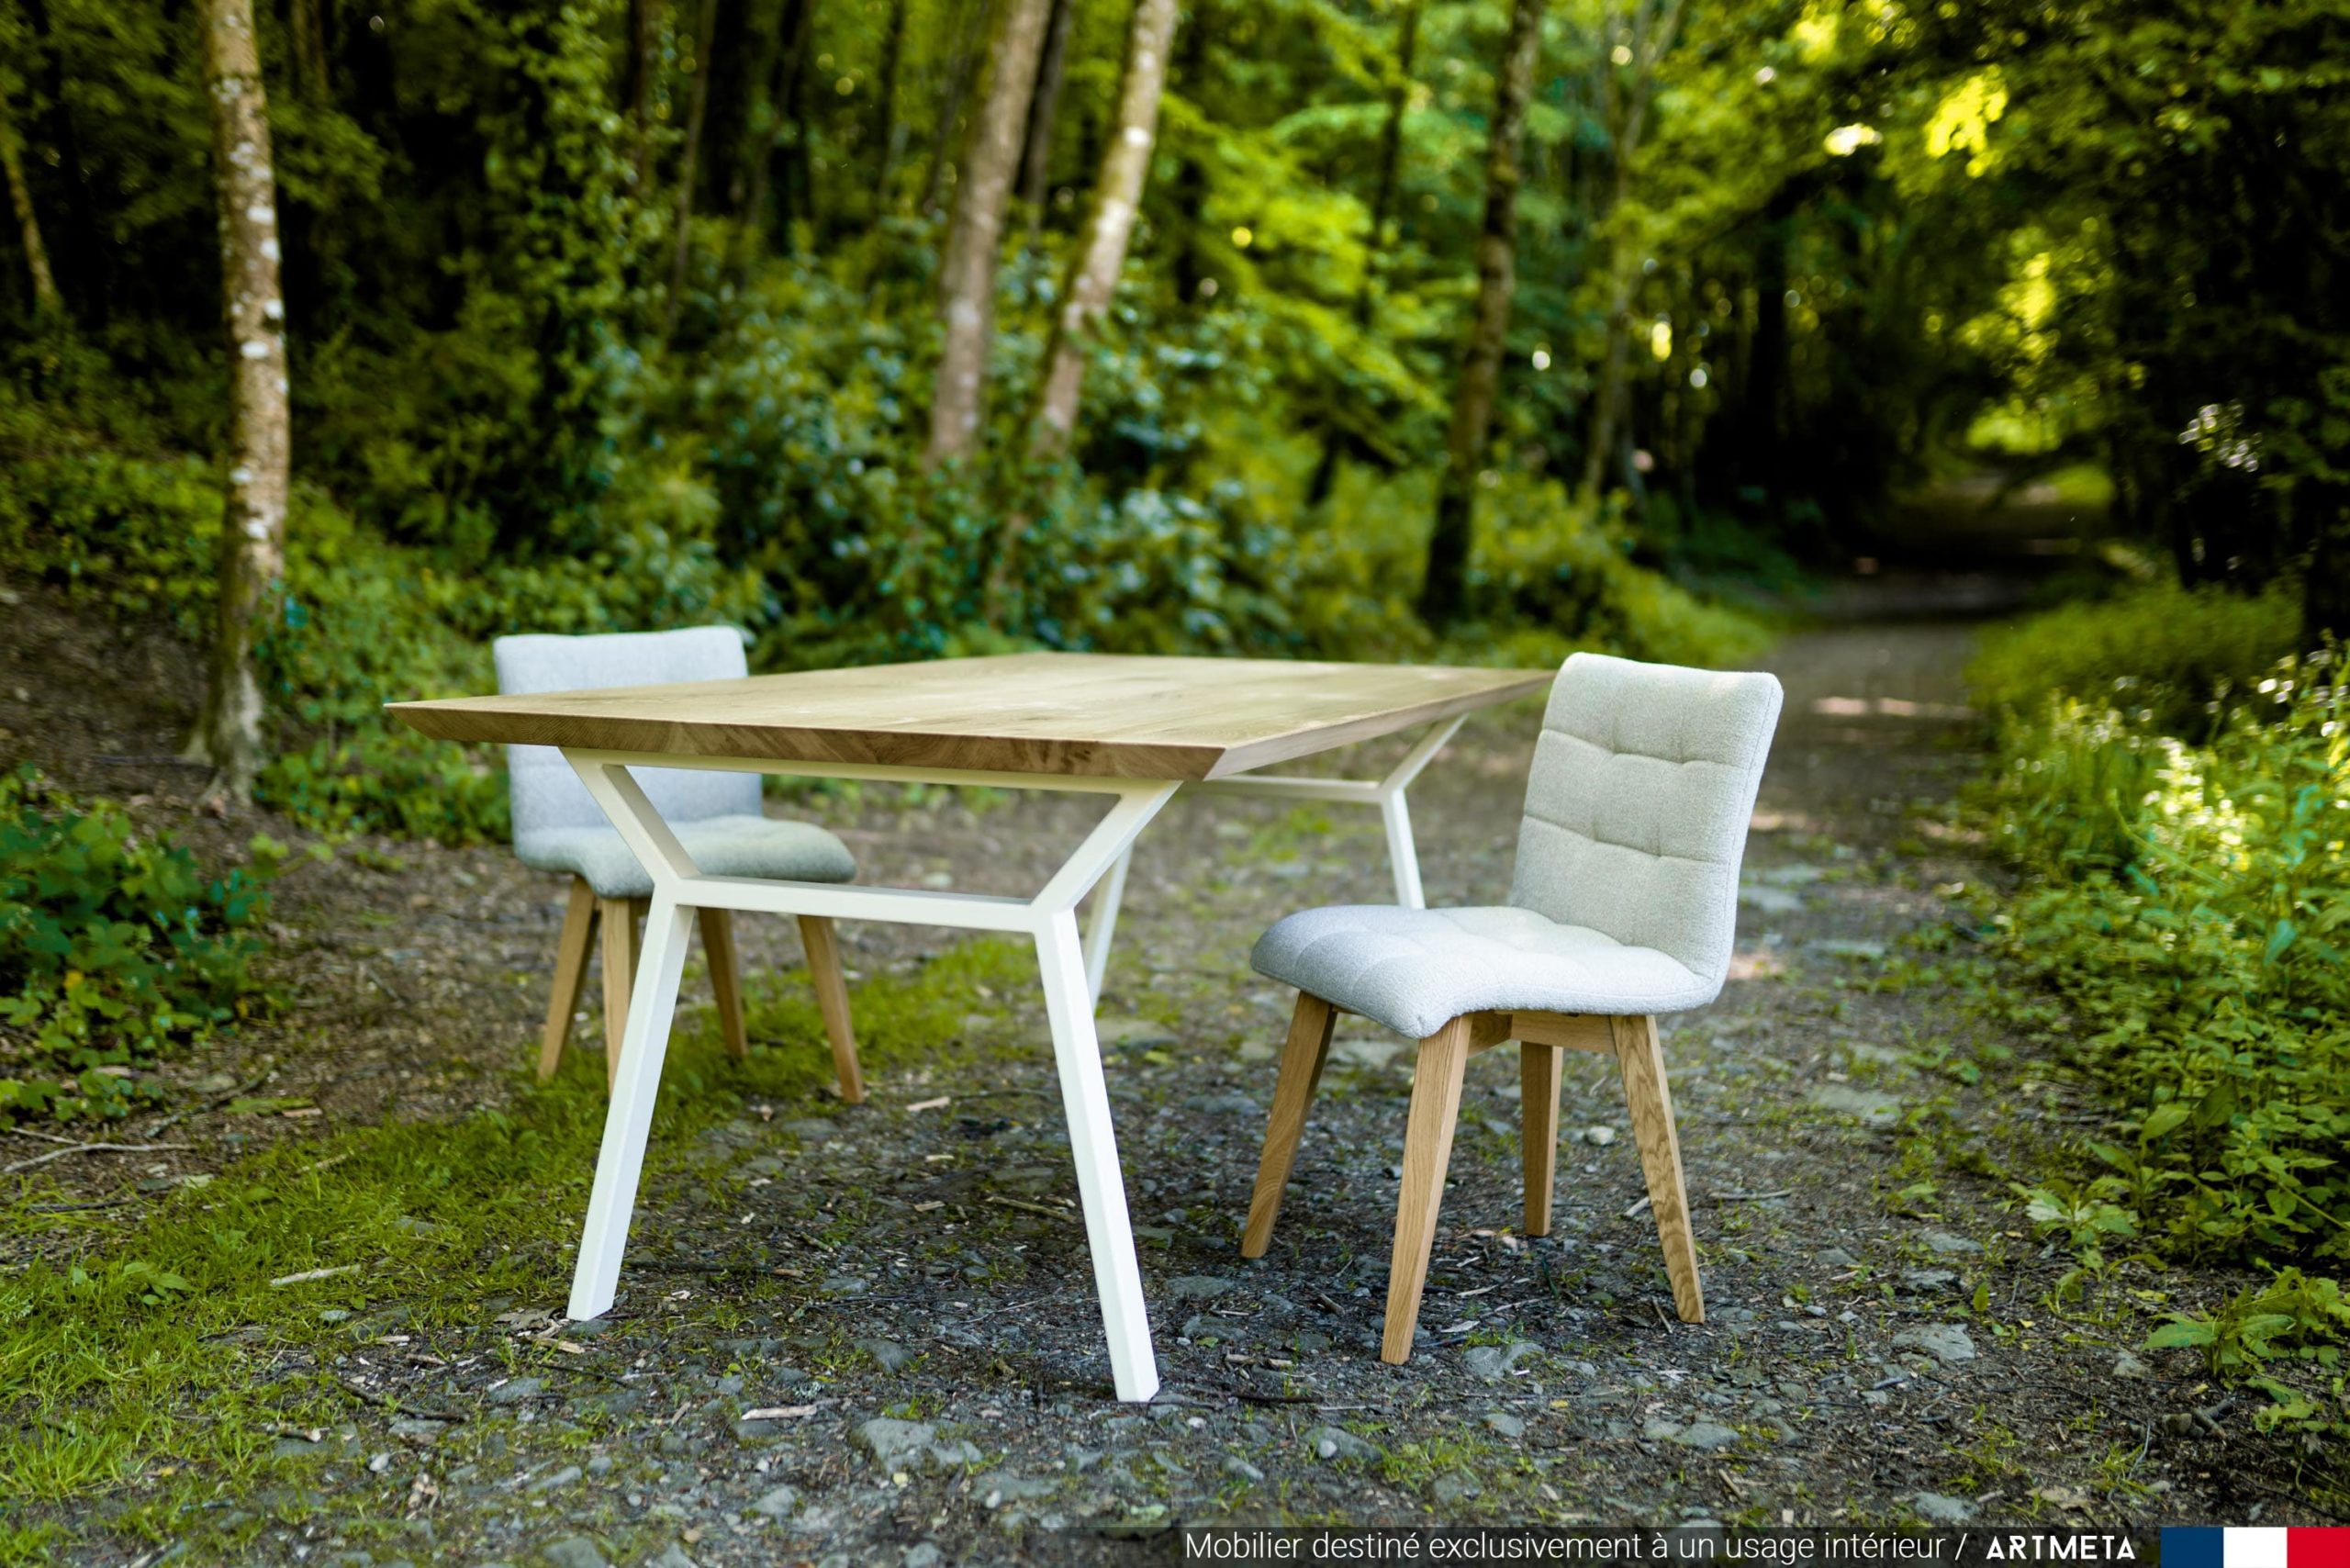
(2255, 1548)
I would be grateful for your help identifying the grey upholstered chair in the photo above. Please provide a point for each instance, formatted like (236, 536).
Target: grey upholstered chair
(1623, 906)
(716, 815)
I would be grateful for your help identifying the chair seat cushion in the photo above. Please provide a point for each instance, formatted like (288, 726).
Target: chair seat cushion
(1411, 969)
(722, 846)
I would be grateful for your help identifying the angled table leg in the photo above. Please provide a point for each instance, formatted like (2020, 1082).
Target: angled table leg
(1049, 919)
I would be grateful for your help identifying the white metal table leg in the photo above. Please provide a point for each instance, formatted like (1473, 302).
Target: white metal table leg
(1049, 919)
(1403, 855)
(1101, 1182)
(652, 1002)
(1106, 896)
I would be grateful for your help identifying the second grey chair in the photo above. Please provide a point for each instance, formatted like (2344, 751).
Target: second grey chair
(716, 815)
(1624, 905)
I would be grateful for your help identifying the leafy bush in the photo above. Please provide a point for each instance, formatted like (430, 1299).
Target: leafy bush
(2165, 655)
(2192, 904)
(114, 947)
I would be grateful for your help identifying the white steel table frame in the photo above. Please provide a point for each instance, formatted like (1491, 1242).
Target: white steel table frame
(1071, 974)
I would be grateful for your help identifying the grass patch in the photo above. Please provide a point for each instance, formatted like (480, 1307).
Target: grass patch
(160, 1366)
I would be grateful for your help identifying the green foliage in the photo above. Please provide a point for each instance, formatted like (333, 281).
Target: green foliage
(2191, 903)
(114, 949)
(2165, 655)
(2253, 1327)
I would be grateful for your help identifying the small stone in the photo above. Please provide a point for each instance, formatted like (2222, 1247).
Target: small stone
(1508, 1425)
(888, 1354)
(1601, 1136)
(1494, 1362)
(1938, 1509)
(515, 1390)
(1846, 947)
(673, 1558)
(1706, 1434)
(575, 1552)
(1943, 1244)
(1835, 1258)
(1456, 1487)
(1338, 1443)
(563, 1477)
(924, 1554)
(1770, 901)
(1233, 1465)
(1869, 1105)
(1132, 1033)
(1225, 1105)
(778, 1502)
(1946, 1342)
(1198, 1287)
(1929, 1282)
(2127, 1365)
(891, 1441)
(1657, 1430)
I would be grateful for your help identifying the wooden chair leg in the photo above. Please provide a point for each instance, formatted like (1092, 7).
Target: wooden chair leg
(1427, 1150)
(1650, 1098)
(831, 1000)
(1302, 1059)
(619, 918)
(570, 970)
(1537, 1078)
(725, 976)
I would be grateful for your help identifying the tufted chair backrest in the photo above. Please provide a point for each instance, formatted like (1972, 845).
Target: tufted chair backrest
(1636, 812)
(546, 793)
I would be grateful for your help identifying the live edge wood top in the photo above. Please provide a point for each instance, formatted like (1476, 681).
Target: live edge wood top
(1096, 715)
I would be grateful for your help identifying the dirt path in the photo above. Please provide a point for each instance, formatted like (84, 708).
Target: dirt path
(906, 1280)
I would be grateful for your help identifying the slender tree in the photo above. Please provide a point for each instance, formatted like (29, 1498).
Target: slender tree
(1391, 157)
(974, 238)
(886, 129)
(1481, 366)
(1044, 112)
(639, 67)
(252, 532)
(696, 112)
(46, 301)
(1642, 37)
(962, 64)
(1117, 197)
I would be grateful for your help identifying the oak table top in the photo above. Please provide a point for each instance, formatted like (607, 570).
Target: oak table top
(1094, 715)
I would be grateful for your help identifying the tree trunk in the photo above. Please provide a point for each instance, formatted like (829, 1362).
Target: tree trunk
(47, 302)
(777, 104)
(1036, 156)
(974, 239)
(1390, 158)
(1626, 107)
(305, 24)
(697, 111)
(1442, 590)
(1117, 196)
(253, 532)
(636, 89)
(886, 130)
(961, 66)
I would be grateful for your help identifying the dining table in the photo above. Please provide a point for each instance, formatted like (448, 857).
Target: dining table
(1134, 729)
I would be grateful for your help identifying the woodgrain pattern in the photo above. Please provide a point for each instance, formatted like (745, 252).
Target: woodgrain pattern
(1650, 1098)
(1428, 1150)
(1302, 1061)
(1537, 1082)
(1096, 715)
(619, 918)
(570, 970)
(725, 977)
(831, 999)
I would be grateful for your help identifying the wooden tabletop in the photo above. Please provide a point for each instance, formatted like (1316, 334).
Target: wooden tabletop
(1096, 715)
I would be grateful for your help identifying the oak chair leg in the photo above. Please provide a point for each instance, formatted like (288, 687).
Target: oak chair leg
(570, 972)
(619, 919)
(725, 977)
(1427, 1150)
(831, 1000)
(1650, 1099)
(1538, 1077)
(1302, 1061)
